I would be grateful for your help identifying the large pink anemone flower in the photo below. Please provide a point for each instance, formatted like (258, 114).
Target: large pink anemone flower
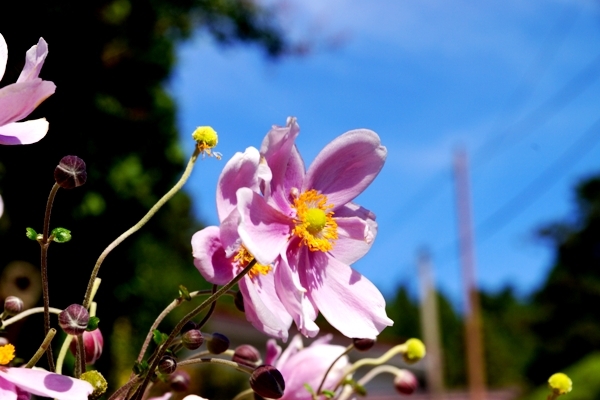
(19, 99)
(306, 366)
(19, 383)
(219, 254)
(308, 227)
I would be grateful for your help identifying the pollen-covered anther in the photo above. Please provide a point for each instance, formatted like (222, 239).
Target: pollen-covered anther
(206, 138)
(7, 353)
(314, 221)
(243, 257)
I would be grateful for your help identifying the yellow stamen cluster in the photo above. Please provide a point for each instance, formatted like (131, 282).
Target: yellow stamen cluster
(314, 222)
(244, 257)
(560, 383)
(206, 139)
(7, 353)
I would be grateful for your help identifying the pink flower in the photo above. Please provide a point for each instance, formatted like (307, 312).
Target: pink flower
(93, 343)
(307, 227)
(19, 99)
(301, 366)
(19, 383)
(219, 254)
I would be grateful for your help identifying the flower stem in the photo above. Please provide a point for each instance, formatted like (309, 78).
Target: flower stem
(348, 350)
(40, 352)
(232, 364)
(63, 353)
(27, 313)
(142, 222)
(210, 310)
(138, 395)
(44, 244)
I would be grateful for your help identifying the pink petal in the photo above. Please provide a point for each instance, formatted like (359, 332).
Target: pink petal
(48, 384)
(3, 55)
(263, 229)
(1, 206)
(355, 238)
(348, 300)
(291, 350)
(346, 166)
(294, 175)
(209, 256)
(18, 100)
(273, 352)
(292, 292)
(165, 396)
(8, 391)
(230, 238)
(34, 60)
(263, 308)
(240, 171)
(26, 132)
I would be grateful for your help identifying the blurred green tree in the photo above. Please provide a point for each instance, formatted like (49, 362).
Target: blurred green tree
(109, 60)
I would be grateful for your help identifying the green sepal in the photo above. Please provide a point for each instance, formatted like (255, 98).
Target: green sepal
(140, 368)
(159, 337)
(92, 324)
(310, 390)
(359, 389)
(328, 393)
(31, 234)
(61, 235)
(184, 293)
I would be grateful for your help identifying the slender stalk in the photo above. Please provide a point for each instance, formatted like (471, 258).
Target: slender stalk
(232, 364)
(44, 244)
(29, 312)
(40, 352)
(63, 353)
(140, 391)
(368, 376)
(124, 388)
(79, 357)
(142, 222)
(210, 310)
(245, 393)
(348, 350)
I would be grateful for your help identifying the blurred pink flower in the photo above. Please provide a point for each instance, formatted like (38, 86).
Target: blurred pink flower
(306, 225)
(93, 342)
(302, 366)
(19, 99)
(219, 254)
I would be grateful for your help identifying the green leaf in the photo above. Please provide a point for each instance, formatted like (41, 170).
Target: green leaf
(328, 393)
(184, 293)
(31, 234)
(92, 324)
(159, 337)
(309, 389)
(61, 235)
(359, 389)
(140, 368)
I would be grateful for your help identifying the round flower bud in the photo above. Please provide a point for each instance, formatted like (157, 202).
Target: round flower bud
(74, 319)
(70, 172)
(13, 305)
(415, 350)
(167, 364)
(560, 383)
(179, 381)
(217, 343)
(363, 344)
(246, 355)
(97, 381)
(268, 382)
(93, 342)
(192, 339)
(238, 300)
(405, 382)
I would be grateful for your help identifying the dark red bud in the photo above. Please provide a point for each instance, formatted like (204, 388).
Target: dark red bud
(192, 339)
(180, 381)
(246, 355)
(363, 344)
(406, 382)
(70, 172)
(238, 300)
(268, 382)
(218, 343)
(13, 305)
(167, 365)
(74, 319)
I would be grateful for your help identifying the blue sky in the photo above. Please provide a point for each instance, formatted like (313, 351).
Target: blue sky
(516, 84)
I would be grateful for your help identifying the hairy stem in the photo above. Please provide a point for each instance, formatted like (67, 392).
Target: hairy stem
(40, 352)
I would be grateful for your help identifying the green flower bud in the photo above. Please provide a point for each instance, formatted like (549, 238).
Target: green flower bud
(560, 383)
(415, 350)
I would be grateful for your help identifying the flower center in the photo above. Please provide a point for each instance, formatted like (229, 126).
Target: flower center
(7, 353)
(244, 257)
(314, 222)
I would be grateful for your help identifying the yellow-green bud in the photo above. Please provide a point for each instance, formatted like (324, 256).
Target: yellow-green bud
(415, 350)
(560, 383)
(206, 135)
(97, 381)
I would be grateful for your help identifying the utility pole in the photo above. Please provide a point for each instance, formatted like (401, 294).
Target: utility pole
(431, 328)
(474, 344)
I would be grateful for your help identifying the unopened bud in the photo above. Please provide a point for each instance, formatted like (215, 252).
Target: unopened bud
(415, 350)
(238, 300)
(189, 326)
(93, 342)
(70, 172)
(74, 319)
(192, 339)
(268, 382)
(363, 344)
(167, 365)
(97, 381)
(560, 383)
(217, 343)
(179, 381)
(405, 382)
(13, 305)
(246, 355)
